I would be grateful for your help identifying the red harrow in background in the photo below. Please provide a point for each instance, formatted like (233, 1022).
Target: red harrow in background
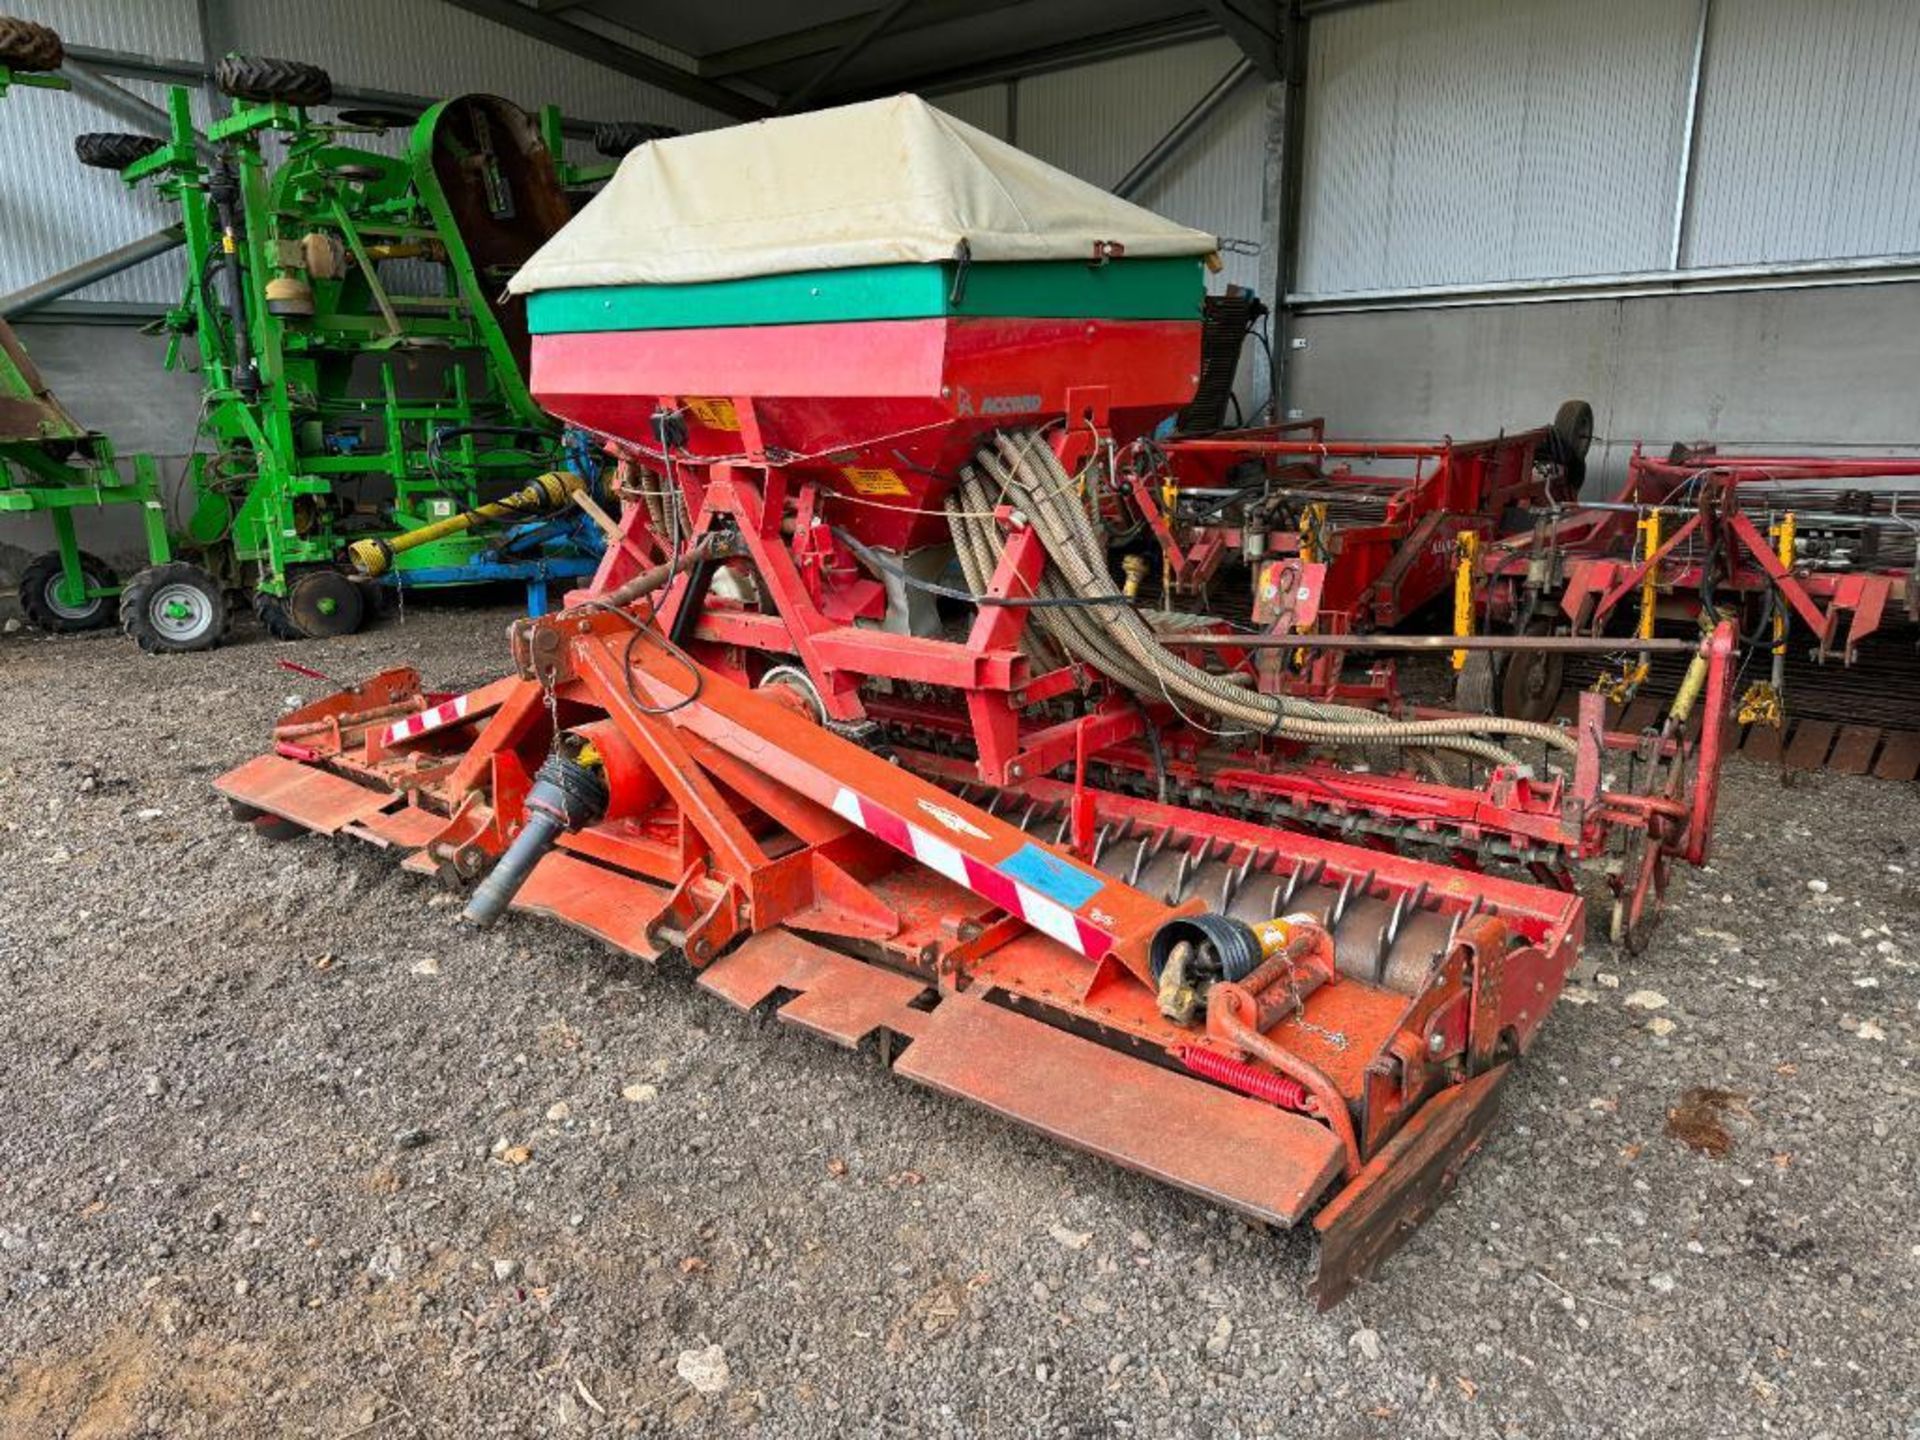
(1779, 543)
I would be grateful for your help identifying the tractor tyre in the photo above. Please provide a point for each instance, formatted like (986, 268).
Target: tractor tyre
(172, 609)
(26, 46)
(111, 151)
(40, 595)
(271, 611)
(616, 138)
(258, 78)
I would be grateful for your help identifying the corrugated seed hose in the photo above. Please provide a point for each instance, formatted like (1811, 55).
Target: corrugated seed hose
(1117, 641)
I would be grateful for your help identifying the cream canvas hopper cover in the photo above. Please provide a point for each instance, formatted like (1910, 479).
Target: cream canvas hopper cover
(886, 182)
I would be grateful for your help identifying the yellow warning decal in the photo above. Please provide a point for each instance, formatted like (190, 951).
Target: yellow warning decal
(715, 414)
(874, 482)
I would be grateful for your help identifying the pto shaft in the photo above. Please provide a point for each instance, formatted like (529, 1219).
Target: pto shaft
(568, 791)
(550, 491)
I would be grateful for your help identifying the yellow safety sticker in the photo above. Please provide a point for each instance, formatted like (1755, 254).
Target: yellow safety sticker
(715, 414)
(874, 482)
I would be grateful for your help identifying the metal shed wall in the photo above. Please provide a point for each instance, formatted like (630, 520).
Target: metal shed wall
(1806, 142)
(1452, 142)
(54, 213)
(1430, 147)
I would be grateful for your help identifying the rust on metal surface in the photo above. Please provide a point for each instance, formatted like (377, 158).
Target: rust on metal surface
(1265, 1162)
(1401, 1185)
(308, 797)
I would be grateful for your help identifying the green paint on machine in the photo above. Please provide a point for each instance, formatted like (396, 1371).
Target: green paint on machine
(1157, 289)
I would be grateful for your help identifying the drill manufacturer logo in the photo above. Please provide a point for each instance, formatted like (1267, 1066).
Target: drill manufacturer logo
(964, 406)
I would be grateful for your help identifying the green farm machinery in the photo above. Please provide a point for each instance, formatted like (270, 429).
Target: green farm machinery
(363, 381)
(50, 463)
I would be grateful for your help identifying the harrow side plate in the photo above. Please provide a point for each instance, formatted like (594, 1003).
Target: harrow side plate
(1265, 1162)
(307, 796)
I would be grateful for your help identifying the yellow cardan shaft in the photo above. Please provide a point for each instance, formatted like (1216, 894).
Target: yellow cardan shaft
(547, 492)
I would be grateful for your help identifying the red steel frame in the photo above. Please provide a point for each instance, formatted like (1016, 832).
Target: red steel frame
(782, 859)
(984, 692)
(1587, 553)
(1376, 575)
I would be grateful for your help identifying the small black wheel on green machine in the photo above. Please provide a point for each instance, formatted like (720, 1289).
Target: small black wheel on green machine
(261, 78)
(113, 150)
(271, 611)
(322, 603)
(46, 609)
(174, 608)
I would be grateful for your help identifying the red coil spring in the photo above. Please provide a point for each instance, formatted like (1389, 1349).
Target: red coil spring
(1281, 1090)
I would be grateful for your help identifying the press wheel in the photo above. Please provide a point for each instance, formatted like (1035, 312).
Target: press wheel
(324, 603)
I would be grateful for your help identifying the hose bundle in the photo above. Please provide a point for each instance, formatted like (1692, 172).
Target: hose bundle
(1115, 640)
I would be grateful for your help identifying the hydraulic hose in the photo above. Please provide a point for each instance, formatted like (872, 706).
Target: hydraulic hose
(1118, 642)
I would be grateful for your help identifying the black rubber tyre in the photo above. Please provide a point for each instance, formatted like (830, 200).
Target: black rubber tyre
(1531, 684)
(1473, 684)
(27, 46)
(39, 584)
(1573, 428)
(615, 138)
(110, 151)
(257, 77)
(173, 609)
(271, 612)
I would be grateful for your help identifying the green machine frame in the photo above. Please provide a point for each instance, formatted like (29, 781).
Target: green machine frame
(52, 465)
(339, 407)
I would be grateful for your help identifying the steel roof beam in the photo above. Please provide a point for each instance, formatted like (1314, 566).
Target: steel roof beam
(549, 29)
(1255, 26)
(875, 26)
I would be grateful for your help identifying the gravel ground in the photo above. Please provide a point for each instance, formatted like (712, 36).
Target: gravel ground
(288, 1152)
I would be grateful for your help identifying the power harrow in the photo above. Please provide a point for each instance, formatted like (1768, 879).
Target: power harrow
(859, 718)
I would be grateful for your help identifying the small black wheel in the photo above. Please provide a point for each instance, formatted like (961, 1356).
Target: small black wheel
(1566, 444)
(40, 585)
(27, 46)
(323, 603)
(172, 609)
(616, 138)
(1473, 684)
(271, 611)
(1573, 428)
(111, 151)
(259, 78)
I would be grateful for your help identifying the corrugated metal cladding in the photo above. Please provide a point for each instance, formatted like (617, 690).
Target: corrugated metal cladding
(1805, 149)
(54, 213)
(1453, 142)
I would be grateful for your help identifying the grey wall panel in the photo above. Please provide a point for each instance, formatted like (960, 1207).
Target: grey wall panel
(54, 212)
(1818, 368)
(985, 106)
(1097, 120)
(1465, 141)
(1806, 147)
